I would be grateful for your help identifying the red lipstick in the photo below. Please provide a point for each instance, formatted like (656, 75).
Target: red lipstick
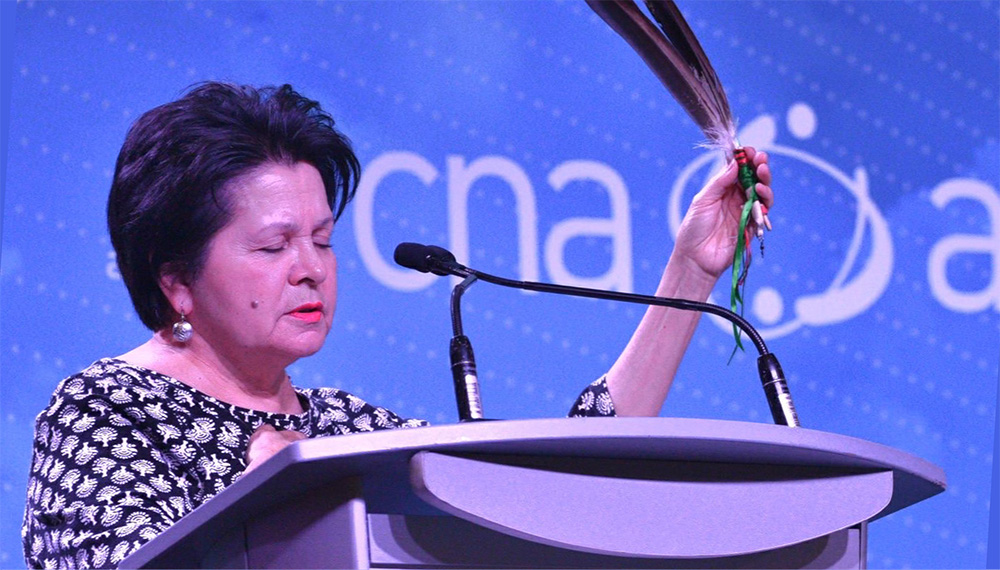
(309, 312)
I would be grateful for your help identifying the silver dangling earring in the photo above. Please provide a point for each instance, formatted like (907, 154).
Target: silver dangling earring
(183, 330)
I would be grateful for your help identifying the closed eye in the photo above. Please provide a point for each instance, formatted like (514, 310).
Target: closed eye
(274, 248)
(322, 238)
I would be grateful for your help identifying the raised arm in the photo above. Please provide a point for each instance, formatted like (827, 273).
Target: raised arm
(640, 378)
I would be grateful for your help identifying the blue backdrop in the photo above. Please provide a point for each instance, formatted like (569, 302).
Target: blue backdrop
(529, 139)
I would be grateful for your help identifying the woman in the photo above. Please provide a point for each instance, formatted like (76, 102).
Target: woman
(220, 212)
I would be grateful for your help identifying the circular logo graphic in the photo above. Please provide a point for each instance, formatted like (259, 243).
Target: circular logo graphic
(864, 265)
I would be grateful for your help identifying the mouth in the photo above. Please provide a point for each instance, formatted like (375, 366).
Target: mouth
(309, 312)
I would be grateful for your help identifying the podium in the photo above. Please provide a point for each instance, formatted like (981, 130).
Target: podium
(571, 492)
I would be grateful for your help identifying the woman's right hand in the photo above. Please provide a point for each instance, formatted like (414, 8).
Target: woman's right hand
(707, 237)
(267, 441)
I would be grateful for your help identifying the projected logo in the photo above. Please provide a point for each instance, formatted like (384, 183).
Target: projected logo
(864, 270)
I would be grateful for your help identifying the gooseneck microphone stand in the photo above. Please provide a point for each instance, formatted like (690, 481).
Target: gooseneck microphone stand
(463, 361)
(440, 261)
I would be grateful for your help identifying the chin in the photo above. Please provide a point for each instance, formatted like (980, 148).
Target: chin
(297, 344)
(311, 351)
(308, 346)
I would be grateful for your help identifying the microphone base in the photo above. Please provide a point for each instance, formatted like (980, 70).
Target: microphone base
(463, 372)
(779, 399)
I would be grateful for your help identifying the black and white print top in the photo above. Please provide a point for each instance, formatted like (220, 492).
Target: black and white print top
(123, 452)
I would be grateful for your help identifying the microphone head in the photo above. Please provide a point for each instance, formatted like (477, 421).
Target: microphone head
(412, 256)
(441, 254)
(423, 258)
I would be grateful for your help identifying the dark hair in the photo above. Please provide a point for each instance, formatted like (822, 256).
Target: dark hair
(167, 198)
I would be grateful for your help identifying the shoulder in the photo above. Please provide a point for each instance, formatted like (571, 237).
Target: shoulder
(334, 411)
(105, 385)
(113, 378)
(595, 400)
(111, 398)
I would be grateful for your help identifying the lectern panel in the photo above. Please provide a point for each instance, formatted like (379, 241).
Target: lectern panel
(448, 542)
(650, 509)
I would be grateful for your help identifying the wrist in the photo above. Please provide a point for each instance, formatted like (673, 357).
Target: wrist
(685, 278)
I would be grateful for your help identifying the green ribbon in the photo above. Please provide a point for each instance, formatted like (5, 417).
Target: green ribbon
(748, 181)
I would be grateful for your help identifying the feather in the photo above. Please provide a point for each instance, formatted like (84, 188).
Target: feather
(678, 60)
(676, 57)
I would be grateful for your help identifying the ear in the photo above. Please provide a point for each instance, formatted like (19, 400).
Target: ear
(177, 289)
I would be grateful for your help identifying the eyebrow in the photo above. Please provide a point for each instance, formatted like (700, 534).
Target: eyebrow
(285, 226)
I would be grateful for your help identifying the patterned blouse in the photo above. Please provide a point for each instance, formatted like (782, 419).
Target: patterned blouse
(123, 452)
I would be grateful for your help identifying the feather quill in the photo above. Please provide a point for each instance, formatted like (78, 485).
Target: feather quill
(676, 57)
(678, 60)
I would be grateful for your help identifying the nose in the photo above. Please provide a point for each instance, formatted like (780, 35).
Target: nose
(311, 264)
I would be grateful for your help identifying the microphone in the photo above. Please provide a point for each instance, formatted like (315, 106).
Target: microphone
(440, 261)
(437, 260)
(428, 259)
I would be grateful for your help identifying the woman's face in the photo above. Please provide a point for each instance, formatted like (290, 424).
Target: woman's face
(268, 288)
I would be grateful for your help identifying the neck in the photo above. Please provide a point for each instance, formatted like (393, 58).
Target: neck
(246, 383)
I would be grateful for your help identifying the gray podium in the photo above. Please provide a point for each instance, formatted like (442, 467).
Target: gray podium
(573, 492)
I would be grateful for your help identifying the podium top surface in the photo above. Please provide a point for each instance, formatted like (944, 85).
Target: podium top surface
(661, 439)
(655, 439)
(386, 455)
